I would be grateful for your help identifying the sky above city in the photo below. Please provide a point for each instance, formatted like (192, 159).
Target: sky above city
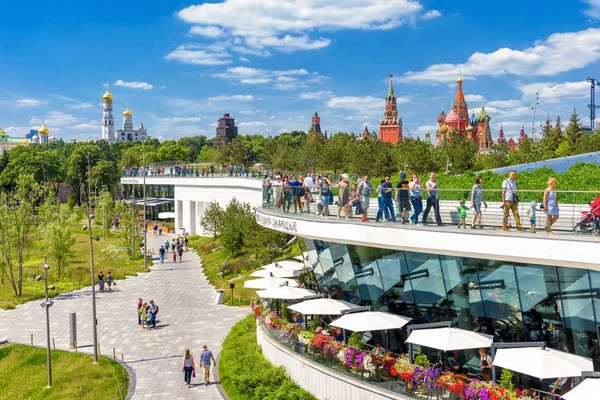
(273, 63)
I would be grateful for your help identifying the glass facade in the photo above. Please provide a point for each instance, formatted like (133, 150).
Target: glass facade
(512, 301)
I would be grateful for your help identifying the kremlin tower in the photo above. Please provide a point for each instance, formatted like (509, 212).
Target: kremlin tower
(484, 134)
(440, 135)
(127, 133)
(314, 133)
(390, 127)
(522, 134)
(108, 120)
(501, 135)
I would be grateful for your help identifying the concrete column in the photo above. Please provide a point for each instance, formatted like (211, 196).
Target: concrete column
(193, 219)
(178, 215)
(187, 216)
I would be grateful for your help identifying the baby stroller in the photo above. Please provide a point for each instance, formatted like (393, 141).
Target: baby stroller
(590, 220)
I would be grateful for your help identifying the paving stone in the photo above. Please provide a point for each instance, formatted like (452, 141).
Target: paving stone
(187, 317)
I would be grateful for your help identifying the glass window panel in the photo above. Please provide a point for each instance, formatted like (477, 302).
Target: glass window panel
(460, 274)
(595, 283)
(500, 299)
(346, 281)
(428, 290)
(364, 263)
(578, 310)
(540, 304)
(392, 267)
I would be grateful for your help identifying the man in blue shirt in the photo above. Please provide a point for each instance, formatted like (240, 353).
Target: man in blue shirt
(205, 357)
(386, 193)
(161, 251)
(296, 187)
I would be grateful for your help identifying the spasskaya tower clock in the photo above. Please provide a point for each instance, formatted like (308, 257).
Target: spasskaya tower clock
(390, 127)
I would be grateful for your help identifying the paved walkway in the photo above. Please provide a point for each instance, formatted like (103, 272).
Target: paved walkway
(188, 318)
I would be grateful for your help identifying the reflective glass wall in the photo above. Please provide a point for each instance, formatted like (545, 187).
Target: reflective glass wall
(514, 302)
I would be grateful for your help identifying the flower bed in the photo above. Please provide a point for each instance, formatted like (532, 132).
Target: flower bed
(379, 366)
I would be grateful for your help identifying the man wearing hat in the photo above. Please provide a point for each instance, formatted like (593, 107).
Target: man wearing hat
(402, 198)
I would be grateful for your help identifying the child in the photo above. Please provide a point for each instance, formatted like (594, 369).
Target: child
(531, 215)
(462, 214)
(174, 256)
(148, 318)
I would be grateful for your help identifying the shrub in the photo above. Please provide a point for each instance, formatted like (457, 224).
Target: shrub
(246, 375)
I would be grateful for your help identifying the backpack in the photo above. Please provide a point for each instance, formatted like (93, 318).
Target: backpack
(156, 312)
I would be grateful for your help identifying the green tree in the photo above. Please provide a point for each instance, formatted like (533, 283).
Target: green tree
(461, 152)
(235, 217)
(58, 240)
(574, 130)
(213, 219)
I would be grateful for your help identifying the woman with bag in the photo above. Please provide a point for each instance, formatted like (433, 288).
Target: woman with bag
(188, 368)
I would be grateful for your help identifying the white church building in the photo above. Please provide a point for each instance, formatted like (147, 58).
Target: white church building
(127, 133)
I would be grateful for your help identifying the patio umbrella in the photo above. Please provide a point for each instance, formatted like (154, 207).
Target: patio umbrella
(447, 339)
(166, 215)
(276, 273)
(322, 307)
(542, 363)
(287, 265)
(588, 389)
(370, 321)
(285, 293)
(270, 282)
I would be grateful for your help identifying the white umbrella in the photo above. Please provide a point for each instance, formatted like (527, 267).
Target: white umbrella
(586, 390)
(447, 339)
(276, 273)
(370, 321)
(322, 307)
(542, 363)
(166, 215)
(285, 293)
(267, 283)
(287, 265)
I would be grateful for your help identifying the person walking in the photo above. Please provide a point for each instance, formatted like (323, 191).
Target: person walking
(550, 205)
(101, 282)
(155, 229)
(402, 197)
(139, 310)
(180, 252)
(309, 186)
(343, 196)
(154, 312)
(142, 313)
(510, 201)
(415, 198)
(161, 252)
(365, 189)
(433, 200)
(186, 240)
(167, 246)
(324, 196)
(205, 357)
(173, 244)
(476, 200)
(287, 194)
(175, 255)
(109, 281)
(386, 195)
(277, 200)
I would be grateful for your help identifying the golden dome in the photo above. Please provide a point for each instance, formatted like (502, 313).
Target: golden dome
(107, 98)
(459, 80)
(43, 130)
(444, 129)
(127, 113)
(2, 131)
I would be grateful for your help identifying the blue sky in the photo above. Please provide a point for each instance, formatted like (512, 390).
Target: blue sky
(273, 63)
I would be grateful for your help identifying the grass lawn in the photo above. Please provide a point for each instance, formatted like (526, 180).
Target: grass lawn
(213, 256)
(76, 276)
(24, 375)
(246, 375)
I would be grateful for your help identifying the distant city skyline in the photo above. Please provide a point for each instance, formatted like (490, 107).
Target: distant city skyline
(179, 68)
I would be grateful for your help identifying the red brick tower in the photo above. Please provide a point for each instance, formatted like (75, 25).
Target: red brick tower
(460, 108)
(501, 135)
(522, 133)
(390, 128)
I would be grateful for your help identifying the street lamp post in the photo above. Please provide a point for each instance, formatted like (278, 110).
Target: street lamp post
(94, 320)
(448, 165)
(144, 192)
(132, 224)
(47, 304)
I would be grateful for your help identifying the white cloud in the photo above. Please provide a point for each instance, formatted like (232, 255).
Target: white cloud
(560, 52)
(361, 103)
(163, 87)
(80, 106)
(285, 25)
(177, 120)
(85, 127)
(134, 85)
(504, 103)
(474, 98)
(281, 79)
(272, 117)
(316, 95)
(594, 10)
(28, 102)
(56, 118)
(252, 124)
(235, 97)
(207, 31)
(432, 14)
(243, 59)
(250, 112)
(17, 131)
(193, 55)
(556, 91)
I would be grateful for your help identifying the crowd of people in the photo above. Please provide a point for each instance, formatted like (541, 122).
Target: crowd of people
(177, 247)
(403, 202)
(184, 170)
(147, 313)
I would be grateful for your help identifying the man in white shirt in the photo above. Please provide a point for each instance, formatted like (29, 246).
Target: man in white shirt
(433, 200)
(309, 186)
(510, 201)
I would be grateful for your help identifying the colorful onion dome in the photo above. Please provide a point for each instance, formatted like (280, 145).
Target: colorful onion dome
(473, 119)
(444, 129)
(441, 117)
(127, 113)
(483, 115)
(452, 118)
(107, 96)
(470, 128)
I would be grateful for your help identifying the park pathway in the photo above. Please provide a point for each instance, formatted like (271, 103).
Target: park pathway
(188, 317)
